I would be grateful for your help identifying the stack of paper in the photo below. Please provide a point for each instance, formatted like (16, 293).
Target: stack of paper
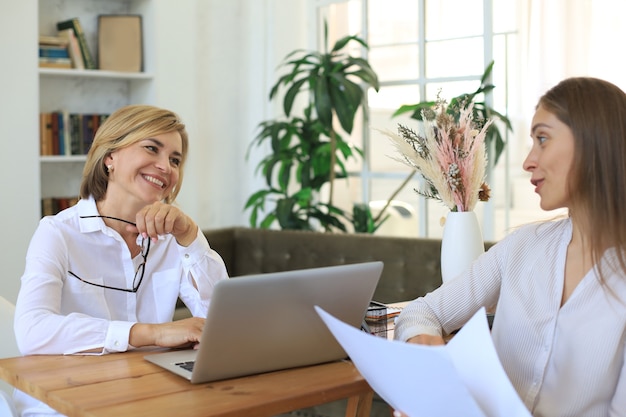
(463, 378)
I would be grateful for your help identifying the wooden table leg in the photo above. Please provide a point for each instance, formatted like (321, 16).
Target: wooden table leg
(360, 405)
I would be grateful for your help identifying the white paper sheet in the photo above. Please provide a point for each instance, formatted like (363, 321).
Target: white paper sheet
(462, 378)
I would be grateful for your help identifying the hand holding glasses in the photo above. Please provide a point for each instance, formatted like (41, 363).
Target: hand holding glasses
(139, 273)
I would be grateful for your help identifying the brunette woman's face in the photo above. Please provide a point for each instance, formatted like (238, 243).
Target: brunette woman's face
(147, 170)
(550, 159)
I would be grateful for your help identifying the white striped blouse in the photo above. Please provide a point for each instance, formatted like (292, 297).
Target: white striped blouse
(563, 361)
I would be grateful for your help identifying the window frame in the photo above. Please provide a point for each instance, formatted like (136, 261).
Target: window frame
(368, 175)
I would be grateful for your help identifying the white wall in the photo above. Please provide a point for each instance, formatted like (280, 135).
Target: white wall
(215, 63)
(236, 49)
(19, 168)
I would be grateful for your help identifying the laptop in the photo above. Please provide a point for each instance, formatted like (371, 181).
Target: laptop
(267, 322)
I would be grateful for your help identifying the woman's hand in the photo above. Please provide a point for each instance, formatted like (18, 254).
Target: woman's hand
(173, 334)
(426, 339)
(159, 219)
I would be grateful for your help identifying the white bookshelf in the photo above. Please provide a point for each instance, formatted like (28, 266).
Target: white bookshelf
(89, 91)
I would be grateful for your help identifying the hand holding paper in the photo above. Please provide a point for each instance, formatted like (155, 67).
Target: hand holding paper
(463, 378)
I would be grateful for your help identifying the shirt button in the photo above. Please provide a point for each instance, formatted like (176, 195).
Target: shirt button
(186, 256)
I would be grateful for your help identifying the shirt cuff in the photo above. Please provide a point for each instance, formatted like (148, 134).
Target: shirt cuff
(117, 336)
(193, 253)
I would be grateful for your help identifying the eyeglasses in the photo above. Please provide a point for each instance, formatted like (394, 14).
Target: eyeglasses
(145, 249)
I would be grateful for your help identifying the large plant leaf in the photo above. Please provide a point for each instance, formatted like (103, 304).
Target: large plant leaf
(328, 221)
(345, 148)
(257, 198)
(267, 168)
(487, 72)
(284, 174)
(364, 72)
(368, 77)
(291, 94)
(341, 43)
(415, 109)
(347, 97)
(323, 103)
(267, 221)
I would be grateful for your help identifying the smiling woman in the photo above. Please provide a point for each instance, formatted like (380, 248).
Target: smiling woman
(104, 275)
(123, 128)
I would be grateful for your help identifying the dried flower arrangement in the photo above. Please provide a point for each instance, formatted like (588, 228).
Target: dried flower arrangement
(450, 155)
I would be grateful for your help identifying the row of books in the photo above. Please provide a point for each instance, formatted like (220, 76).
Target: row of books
(68, 49)
(64, 133)
(52, 205)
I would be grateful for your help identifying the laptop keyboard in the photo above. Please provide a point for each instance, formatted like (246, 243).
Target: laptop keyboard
(186, 365)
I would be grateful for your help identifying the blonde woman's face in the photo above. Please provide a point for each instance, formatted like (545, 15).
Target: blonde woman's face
(147, 170)
(550, 159)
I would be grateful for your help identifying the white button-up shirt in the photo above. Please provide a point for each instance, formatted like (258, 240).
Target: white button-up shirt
(56, 313)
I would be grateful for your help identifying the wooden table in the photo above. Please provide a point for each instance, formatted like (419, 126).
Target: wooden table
(125, 384)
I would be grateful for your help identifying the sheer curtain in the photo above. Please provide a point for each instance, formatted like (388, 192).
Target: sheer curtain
(558, 39)
(565, 38)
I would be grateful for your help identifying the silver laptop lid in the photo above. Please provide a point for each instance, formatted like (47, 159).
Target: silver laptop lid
(267, 322)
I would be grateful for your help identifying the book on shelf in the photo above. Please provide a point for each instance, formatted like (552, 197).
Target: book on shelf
(54, 122)
(75, 25)
(73, 48)
(45, 134)
(66, 134)
(53, 51)
(55, 62)
(52, 205)
(120, 44)
(52, 40)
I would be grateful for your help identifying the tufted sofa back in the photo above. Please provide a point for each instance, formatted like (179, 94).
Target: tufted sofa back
(411, 265)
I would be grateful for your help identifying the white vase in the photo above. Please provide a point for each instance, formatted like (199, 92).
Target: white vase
(461, 244)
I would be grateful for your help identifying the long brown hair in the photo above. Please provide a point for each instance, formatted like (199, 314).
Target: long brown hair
(595, 111)
(124, 127)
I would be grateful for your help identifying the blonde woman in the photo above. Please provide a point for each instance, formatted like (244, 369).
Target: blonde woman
(104, 275)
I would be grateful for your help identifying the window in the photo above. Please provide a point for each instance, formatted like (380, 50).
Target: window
(418, 48)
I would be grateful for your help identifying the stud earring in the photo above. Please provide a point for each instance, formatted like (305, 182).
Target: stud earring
(109, 168)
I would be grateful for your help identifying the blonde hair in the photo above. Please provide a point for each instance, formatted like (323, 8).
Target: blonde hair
(126, 126)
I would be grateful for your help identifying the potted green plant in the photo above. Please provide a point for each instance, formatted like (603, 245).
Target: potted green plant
(308, 151)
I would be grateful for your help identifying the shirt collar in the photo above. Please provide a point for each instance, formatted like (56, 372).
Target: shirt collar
(87, 207)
